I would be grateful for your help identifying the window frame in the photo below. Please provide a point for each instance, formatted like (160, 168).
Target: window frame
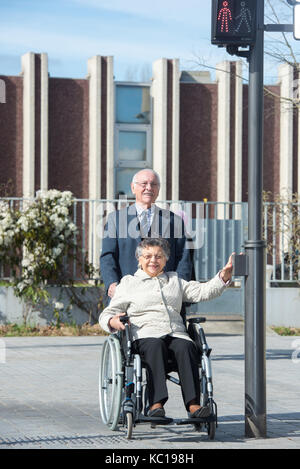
(132, 127)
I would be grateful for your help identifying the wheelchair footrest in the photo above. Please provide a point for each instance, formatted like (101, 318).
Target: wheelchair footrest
(187, 421)
(154, 420)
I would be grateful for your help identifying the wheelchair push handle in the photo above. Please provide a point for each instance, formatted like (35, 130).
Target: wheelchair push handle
(124, 319)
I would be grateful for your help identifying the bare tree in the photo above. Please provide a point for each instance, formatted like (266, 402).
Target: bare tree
(279, 47)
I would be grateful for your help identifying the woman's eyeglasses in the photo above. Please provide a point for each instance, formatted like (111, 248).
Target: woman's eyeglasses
(148, 257)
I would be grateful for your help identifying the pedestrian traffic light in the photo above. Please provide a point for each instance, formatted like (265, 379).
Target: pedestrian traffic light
(233, 22)
(297, 21)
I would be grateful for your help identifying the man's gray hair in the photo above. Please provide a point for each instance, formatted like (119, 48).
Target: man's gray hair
(134, 179)
(153, 242)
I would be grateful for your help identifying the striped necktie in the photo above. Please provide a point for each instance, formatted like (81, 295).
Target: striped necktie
(145, 222)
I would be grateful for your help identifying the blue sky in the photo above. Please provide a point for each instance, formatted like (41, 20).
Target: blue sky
(135, 32)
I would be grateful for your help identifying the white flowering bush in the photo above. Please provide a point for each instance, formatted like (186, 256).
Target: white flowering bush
(37, 241)
(38, 247)
(48, 234)
(59, 309)
(6, 226)
(9, 237)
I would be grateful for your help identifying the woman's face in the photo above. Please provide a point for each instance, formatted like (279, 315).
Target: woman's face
(152, 260)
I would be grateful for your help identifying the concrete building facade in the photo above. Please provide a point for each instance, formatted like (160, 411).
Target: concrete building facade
(90, 135)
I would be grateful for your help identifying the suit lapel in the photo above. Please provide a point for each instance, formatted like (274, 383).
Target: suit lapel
(164, 217)
(133, 225)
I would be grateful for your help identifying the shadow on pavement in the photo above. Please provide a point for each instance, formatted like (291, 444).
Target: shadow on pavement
(271, 354)
(231, 429)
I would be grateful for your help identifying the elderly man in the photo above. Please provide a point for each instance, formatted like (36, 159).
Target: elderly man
(125, 229)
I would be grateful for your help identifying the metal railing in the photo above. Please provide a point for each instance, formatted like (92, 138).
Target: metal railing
(216, 228)
(282, 233)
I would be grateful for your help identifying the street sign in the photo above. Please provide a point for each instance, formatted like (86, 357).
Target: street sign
(297, 21)
(233, 22)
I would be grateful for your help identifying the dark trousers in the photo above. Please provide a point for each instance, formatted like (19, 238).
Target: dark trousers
(154, 353)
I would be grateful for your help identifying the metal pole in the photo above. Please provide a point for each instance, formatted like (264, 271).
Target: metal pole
(255, 371)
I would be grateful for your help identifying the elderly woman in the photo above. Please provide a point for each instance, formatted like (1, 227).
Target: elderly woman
(152, 299)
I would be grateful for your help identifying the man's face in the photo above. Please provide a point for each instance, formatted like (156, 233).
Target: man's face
(145, 189)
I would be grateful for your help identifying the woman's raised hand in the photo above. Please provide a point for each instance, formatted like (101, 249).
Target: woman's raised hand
(226, 272)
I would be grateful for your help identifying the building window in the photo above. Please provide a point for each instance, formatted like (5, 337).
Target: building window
(132, 144)
(133, 134)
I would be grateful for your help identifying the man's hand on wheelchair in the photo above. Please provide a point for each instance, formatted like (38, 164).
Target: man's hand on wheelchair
(112, 289)
(116, 323)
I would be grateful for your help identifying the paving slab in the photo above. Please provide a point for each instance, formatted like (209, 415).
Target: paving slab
(49, 397)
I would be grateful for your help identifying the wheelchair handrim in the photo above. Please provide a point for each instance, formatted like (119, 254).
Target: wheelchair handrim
(110, 400)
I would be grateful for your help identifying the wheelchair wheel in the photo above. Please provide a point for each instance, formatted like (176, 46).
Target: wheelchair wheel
(207, 399)
(128, 425)
(211, 429)
(110, 382)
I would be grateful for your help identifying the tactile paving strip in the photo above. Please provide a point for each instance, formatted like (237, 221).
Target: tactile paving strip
(45, 441)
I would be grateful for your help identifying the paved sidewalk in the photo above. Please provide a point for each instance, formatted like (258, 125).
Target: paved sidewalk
(49, 397)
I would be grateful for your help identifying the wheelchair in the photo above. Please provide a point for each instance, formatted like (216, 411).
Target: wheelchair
(123, 388)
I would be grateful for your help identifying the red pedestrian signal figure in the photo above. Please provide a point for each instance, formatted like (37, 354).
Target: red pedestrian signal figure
(224, 17)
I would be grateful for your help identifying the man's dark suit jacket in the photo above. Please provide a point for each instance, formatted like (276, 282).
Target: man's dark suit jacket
(122, 235)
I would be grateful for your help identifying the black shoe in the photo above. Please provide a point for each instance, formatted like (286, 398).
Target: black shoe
(159, 412)
(203, 412)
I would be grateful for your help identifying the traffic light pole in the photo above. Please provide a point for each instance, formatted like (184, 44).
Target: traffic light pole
(255, 369)
(226, 32)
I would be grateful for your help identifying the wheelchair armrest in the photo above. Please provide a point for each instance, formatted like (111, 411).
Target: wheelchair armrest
(197, 333)
(196, 320)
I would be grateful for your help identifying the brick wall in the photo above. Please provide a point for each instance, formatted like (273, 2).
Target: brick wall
(198, 141)
(11, 135)
(68, 135)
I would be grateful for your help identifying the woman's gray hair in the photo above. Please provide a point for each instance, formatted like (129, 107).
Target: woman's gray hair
(153, 242)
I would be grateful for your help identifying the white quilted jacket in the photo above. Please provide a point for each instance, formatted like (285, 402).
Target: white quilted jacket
(154, 303)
